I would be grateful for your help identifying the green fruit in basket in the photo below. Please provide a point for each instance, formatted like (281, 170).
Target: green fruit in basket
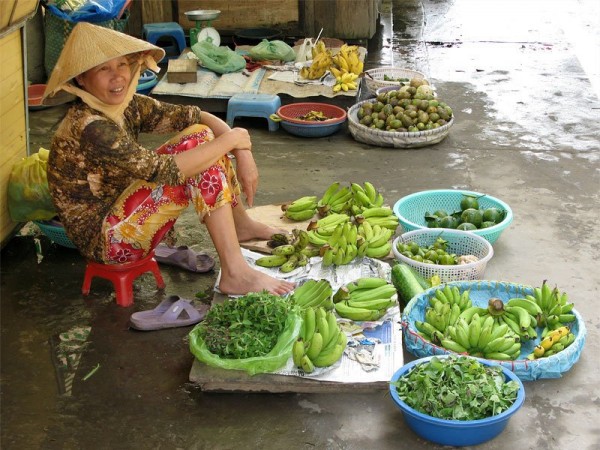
(448, 222)
(487, 225)
(493, 215)
(469, 201)
(466, 226)
(472, 215)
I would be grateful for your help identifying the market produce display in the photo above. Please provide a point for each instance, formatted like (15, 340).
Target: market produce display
(321, 342)
(313, 294)
(497, 331)
(301, 209)
(366, 298)
(469, 217)
(286, 254)
(435, 253)
(345, 66)
(457, 388)
(245, 327)
(411, 108)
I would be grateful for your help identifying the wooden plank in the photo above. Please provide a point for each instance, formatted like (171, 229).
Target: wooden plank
(242, 13)
(211, 379)
(13, 13)
(156, 11)
(340, 21)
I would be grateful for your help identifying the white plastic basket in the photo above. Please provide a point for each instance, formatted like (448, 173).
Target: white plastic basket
(374, 78)
(459, 242)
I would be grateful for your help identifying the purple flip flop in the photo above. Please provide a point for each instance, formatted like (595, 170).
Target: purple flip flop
(172, 312)
(184, 257)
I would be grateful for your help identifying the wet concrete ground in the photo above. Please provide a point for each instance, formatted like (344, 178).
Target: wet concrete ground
(527, 131)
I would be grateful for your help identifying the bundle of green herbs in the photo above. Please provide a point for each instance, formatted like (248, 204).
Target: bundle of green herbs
(245, 327)
(457, 388)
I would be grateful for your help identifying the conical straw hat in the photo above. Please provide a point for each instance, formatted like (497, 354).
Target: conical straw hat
(91, 45)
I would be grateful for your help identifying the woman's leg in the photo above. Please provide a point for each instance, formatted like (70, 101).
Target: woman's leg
(237, 277)
(247, 228)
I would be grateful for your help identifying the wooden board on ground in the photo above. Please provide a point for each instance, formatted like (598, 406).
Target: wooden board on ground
(212, 379)
(271, 215)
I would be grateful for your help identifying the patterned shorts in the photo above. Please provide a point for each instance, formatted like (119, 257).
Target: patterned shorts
(145, 211)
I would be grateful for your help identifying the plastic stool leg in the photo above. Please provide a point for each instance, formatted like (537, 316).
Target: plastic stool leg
(87, 282)
(160, 283)
(124, 291)
(273, 126)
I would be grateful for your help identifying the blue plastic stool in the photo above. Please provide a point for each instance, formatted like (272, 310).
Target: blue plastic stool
(253, 105)
(152, 32)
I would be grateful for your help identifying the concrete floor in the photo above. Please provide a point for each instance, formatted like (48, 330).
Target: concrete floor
(522, 77)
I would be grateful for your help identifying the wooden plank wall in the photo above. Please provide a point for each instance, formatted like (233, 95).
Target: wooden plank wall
(241, 14)
(12, 12)
(342, 19)
(13, 145)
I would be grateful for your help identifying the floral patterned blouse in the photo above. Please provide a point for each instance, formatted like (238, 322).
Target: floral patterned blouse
(93, 160)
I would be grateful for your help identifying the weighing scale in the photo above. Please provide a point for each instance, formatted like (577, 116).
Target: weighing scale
(203, 30)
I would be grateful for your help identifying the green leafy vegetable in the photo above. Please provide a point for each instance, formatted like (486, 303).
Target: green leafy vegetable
(246, 326)
(457, 388)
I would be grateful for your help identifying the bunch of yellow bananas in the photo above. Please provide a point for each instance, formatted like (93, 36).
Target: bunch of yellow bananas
(320, 64)
(347, 60)
(318, 48)
(345, 82)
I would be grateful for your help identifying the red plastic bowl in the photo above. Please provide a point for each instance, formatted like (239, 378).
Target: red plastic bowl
(34, 94)
(291, 112)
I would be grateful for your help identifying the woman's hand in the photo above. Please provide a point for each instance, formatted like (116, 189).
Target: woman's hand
(247, 174)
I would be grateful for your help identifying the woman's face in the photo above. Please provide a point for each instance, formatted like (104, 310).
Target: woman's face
(107, 82)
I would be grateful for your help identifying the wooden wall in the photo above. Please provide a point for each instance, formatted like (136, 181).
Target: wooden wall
(13, 130)
(342, 19)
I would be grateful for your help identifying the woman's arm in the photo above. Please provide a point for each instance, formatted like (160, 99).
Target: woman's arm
(198, 159)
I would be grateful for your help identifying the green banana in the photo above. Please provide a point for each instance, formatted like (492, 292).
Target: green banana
(298, 351)
(315, 346)
(333, 188)
(306, 364)
(381, 211)
(333, 355)
(332, 220)
(381, 238)
(370, 282)
(285, 250)
(530, 306)
(290, 264)
(498, 356)
(356, 314)
(385, 291)
(377, 304)
(474, 331)
(332, 325)
(310, 324)
(304, 291)
(300, 216)
(523, 316)
(370, 191)
(453, 346)
(379, 252)
(308, 202)
(271, 260)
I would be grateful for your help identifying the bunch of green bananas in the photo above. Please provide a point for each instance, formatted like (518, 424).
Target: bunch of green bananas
(320, 231)
(313, 294)
(321, 342)
(555, 341)
(365, 299)
(520, 314)
(288, 256)
(318, 67)
(336, 199)
(342, 246)
(554, 306)
(376, 240)
(301, 209)
(365, 197)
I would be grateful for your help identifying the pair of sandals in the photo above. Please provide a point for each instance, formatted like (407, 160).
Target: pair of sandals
(175, 311)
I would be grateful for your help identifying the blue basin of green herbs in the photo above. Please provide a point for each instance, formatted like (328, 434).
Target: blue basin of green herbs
(455, 432)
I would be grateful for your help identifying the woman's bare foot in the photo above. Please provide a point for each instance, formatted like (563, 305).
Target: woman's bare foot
(253, 229)
(247, 279)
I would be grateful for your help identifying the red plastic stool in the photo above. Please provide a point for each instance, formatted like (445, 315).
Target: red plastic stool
(122, 276)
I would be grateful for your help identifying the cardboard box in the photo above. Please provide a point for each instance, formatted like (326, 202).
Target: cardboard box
(182, 71)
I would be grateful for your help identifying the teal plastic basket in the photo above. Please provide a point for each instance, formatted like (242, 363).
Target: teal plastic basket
(411, 209)
(480, 292)
(56, 233)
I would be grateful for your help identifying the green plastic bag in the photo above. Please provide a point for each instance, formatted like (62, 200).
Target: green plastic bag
(218, 59)
(28, 194)
(271, 362)
(272, 50)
